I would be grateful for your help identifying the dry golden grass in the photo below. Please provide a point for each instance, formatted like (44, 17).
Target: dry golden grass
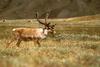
(51, 53)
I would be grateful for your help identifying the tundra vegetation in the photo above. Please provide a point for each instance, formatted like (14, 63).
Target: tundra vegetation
(75, 44)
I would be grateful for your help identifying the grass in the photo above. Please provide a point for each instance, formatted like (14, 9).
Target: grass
(74, 45)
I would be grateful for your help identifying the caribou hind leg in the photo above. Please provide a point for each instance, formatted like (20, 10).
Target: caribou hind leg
(12, 40)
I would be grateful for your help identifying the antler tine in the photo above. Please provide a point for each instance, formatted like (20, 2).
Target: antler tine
(38, 19)
(46, 17)
(48, 24)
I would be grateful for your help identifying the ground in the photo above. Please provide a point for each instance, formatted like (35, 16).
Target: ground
(75, 44)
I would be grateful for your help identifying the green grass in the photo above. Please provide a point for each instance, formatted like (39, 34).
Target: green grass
(74, 45)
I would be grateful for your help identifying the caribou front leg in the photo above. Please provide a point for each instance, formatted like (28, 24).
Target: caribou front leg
(38, 42)
(18, 42)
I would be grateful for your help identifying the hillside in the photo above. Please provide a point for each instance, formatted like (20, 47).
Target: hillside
(22, 9)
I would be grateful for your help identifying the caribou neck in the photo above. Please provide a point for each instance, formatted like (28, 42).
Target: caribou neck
(45, 31)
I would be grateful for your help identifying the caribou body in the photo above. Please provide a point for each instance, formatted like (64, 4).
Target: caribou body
(33, 34)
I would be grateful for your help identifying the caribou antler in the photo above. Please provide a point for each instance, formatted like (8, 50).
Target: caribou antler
(46, 23)
(37, 17)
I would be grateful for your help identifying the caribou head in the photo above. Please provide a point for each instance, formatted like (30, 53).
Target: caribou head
(47, 25)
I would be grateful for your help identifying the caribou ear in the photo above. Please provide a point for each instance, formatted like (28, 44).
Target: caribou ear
(54, 25)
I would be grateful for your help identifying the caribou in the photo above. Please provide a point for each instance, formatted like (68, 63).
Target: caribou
(32, 34)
